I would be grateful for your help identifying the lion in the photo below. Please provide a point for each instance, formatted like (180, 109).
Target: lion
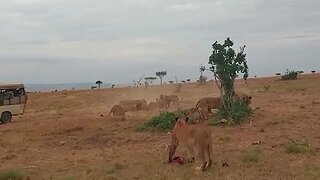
(163, 103)
(207, 103)
(153, 105)
(117, 110)
(133, 105)
(171, 98)
(196, 138)
(243, 97)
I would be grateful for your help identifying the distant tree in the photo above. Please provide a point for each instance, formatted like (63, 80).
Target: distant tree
(245, 77)
(188, 80)
(150, 79)
(313, 72)
(202, 69)
(290, 75)
(301, 72)
(202, 79)
(138, 83)
(171, 82)
(99, 82)
(278, 74)
(255, 76)
(112, 86)
(161, 74)
(183, 81)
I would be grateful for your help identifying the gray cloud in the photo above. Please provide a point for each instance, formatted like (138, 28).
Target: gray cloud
(64, 39)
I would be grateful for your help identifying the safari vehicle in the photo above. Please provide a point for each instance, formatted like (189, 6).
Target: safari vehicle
(13, 99)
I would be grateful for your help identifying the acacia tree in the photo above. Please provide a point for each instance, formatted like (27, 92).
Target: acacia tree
(161, 74)
(150, 79)
(99, 82)
(226, 64)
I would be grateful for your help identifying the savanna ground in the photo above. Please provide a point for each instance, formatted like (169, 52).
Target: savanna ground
(62, 135)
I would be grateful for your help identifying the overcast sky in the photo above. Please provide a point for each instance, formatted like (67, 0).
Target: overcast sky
(62, 41)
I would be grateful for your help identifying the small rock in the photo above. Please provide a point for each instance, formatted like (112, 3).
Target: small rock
(61, 143)
(225, 164)
(223, 121)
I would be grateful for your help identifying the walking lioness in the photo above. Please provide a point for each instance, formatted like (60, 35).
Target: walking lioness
(196, 138)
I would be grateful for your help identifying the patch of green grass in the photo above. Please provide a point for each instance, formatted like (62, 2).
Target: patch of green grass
(11, 174)
(297, 149)
(252, 155)
(311, 172)
(163, 123)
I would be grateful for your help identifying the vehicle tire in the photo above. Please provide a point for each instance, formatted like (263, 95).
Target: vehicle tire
(6, 117)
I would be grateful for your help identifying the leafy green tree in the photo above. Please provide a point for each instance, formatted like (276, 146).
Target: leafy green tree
(161, 74)
(99, 82)
(225, 63)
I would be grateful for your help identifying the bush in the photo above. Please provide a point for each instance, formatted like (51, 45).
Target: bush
(297, 148)
(290, 75)
(239, 112)
(164, 122)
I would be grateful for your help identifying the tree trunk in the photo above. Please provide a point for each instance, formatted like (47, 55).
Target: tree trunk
(160, 80)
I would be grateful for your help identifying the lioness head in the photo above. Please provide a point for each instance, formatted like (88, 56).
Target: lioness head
(247, 99)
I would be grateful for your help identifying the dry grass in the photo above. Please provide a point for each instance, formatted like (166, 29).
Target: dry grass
(63, 135)
(298, 148)
(252, 155)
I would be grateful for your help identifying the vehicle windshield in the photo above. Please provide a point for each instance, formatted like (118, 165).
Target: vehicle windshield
(11, 96)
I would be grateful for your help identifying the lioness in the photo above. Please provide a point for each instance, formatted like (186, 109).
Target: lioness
(163, 103)
(133, 105)
(242, 97)
(153, 105)
(117, 110)
(208, 103)
(195, 114)
(171, 98)
(196, 138)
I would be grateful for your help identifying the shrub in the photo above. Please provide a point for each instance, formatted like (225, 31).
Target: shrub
(297, 148)
(290, 75)
(164, 122)
(252, 155)
(239, 112)
(11, 174)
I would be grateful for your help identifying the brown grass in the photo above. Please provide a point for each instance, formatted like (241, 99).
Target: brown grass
(62, 135)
